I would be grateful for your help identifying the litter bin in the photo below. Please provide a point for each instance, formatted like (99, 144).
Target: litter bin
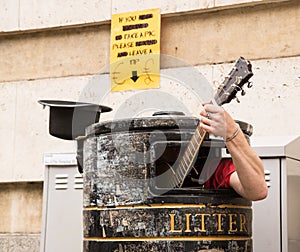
(126, 208)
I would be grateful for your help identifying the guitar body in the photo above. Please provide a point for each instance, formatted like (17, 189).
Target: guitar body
(169, 158)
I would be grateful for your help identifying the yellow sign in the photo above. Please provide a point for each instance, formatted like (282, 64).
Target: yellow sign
(135, 50)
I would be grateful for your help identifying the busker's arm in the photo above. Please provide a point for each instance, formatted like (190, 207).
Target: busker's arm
(249, 178)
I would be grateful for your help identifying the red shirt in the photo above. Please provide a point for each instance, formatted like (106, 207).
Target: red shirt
(221, 177)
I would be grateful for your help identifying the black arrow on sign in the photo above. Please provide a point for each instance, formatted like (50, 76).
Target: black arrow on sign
(134, 76)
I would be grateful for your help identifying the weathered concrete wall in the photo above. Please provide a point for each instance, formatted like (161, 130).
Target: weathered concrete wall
(212, 37)
(21, 15)
(21, 206)
(15, 197)
(54, 53)
(223, 36)
(274, 95)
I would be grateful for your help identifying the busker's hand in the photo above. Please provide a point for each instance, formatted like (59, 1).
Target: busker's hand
(248, 180)
(215, 120)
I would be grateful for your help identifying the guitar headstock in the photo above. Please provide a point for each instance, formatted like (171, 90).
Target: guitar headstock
(238, 76)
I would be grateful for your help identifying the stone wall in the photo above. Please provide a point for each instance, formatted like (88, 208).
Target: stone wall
(20, 215)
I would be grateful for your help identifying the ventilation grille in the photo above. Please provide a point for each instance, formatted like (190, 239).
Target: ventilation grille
(78, 181)
(268, 177)
(63, 182)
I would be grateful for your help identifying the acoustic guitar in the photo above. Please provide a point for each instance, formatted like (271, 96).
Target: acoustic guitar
(232, 84)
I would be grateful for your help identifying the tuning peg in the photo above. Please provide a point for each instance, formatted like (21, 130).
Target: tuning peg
(250, 84)
(237, 99)
(243, 92)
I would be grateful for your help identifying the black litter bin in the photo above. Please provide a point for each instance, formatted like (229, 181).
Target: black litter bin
(127, 209)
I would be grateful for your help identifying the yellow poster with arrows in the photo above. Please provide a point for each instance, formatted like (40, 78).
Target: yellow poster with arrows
(135, 50)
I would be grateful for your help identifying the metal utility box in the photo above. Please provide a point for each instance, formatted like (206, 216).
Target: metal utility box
(276, 226)
(62, 229)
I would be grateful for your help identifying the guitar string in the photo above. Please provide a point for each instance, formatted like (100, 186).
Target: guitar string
(185, 165)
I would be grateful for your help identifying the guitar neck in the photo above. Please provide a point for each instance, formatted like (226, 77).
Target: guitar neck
(187, 160)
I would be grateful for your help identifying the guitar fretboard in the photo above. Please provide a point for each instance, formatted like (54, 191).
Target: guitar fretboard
(187, 160)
